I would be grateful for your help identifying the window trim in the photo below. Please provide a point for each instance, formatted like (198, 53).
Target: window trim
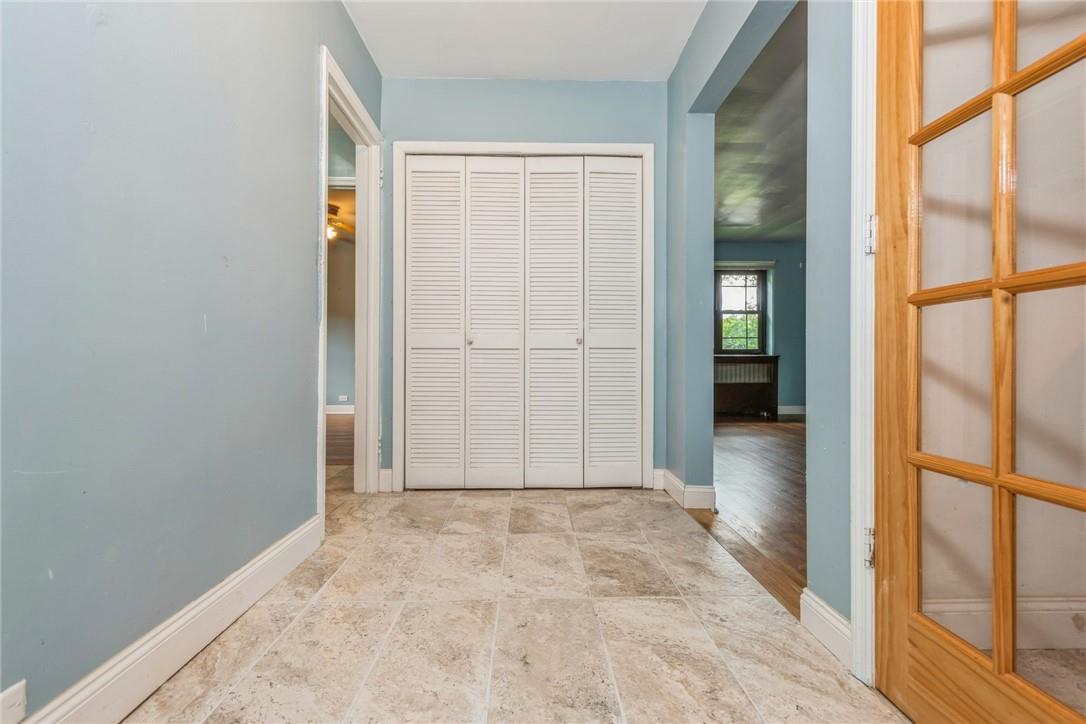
(718, 310)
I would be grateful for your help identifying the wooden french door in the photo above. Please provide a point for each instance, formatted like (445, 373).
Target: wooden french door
(981, 360)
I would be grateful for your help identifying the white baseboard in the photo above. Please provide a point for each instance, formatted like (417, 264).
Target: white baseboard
(339, 409)
(1040, 622)
(689, 496)
(658, 479)
(119, 685)
(791, 409)
(828, 626)
(13, 703)
(384, 480)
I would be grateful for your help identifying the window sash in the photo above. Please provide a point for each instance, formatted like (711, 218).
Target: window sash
(720, 312)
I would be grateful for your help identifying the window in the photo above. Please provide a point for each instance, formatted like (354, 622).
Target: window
(740, 321)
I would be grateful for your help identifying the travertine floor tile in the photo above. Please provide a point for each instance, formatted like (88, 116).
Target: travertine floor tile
(381, 569)
(539, 565)
(447, 606)
(788, 674)
(538, 516)
(303, 582)
(666, 667)
(602, 510)
(482, 511)
(434, 666)
(417, 513)
(621, 568)
(460, 567)
(655, 513)
(193, 691)
(699, 566)
(1059, 672)
(550, 665)
(187, 696)
(313, 672)
(356, 518)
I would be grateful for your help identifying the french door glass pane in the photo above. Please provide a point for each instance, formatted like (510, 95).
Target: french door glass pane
(957, 54)
(956, 205)
(1044, 25)
(1050, 600)
(1050, 340)
(956, 380)
(1051, 178)
(956, 556)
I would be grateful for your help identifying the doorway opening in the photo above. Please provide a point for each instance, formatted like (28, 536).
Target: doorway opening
(348, 252)
(759, 325)
(341, 254)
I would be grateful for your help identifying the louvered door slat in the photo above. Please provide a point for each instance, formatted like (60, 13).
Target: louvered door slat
(434, 375)
(495, 329)
(554, 286)
(613, 321)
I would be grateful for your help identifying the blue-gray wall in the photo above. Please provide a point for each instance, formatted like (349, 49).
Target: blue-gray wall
(725, 41)
(544, 111)
(159, 309)
(340, 362)
(340, 150)
(786, 307)
(829, 42)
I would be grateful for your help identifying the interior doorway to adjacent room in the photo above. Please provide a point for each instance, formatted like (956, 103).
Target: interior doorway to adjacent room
(759, 327)
(348, 288)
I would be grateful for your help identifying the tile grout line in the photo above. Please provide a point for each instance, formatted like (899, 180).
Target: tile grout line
(705, 631)
(400, 606)
(497, 618)
(301, 611)
(599, 631)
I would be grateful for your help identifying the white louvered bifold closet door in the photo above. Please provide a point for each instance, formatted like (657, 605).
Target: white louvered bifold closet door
(434, 379)
(554, 266)
(612, 321)
(495, 322)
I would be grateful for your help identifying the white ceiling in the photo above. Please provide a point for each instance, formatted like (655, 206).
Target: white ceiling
(558, 40)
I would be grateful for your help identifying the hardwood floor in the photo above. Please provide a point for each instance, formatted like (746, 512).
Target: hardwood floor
(759, 471)
(339, 444)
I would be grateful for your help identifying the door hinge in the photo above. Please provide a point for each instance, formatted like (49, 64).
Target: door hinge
(381, 175)
(871, 233)
(869, 547)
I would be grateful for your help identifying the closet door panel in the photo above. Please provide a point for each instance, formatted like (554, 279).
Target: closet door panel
(495, 322)
(435, 296)
(613, 213)
(555, 353)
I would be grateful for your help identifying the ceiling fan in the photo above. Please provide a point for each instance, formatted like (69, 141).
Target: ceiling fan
(337, 228)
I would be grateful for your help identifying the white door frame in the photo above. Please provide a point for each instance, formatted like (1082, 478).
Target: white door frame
(338, 100)
(862, 352)
(400, 151)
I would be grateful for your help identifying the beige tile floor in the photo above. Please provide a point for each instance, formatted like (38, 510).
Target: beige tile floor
(524, 606)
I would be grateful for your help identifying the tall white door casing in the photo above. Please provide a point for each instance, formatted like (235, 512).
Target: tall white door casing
(554, 322)
(494, 444)
(613, 319)
(435, 329)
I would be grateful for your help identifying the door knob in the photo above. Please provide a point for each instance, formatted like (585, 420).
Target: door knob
(470, 341)
(579, 340)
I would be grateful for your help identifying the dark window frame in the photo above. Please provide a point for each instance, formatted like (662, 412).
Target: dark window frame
(719, 311)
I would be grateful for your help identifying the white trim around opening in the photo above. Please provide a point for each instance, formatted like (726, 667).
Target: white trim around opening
(338, 100)
(862, 354)
(402, 149)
